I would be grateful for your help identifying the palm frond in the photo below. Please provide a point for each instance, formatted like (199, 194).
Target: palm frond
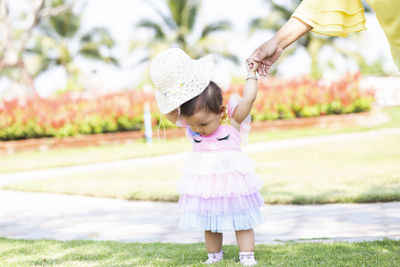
(192, 15)
(269, 23)
(177, 8)
(138, 44)
(148, 24)
(215, 27)
(92, 51)
(143, 60)
(99, 35)
(167, 20)
(255, 24)
(284, 12)
(66, 24)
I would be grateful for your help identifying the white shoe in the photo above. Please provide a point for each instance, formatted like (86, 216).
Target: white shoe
(247, 258)
(214, 257)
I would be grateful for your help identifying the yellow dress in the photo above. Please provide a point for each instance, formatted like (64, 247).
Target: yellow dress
(339, 17)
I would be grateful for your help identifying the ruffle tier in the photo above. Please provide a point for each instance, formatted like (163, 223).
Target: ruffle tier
(220, 205)
(199, 163)
(219, 223)
(335, 18)
(220, 184)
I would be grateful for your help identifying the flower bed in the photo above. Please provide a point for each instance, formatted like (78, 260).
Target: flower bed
(78, 113)
(304, 97)
(72, 114)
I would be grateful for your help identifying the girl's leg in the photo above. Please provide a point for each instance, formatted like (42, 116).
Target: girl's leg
(214, 247)
(245, 240)
(213, 241)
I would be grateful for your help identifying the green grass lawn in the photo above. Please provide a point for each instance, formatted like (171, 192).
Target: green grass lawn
(72, 156)
(101, 253)
(365, 170)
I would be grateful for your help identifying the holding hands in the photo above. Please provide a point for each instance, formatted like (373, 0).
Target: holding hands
(266, 55)
(269, 52)
(252, 65)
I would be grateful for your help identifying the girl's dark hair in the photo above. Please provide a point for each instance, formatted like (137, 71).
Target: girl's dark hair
(210, 99)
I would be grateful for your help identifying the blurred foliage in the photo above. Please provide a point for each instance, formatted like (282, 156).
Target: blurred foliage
(76, 113)
(50, 34)
(178, 26)
(304, 97)
(71, 114)
(60, 40)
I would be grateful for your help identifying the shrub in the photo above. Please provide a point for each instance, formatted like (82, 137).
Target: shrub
(306, 97)
(72, 114)
(77, 113)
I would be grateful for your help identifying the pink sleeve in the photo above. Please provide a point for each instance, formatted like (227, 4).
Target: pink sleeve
(245, 124)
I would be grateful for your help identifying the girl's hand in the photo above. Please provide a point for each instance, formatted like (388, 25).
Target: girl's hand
(252, 65)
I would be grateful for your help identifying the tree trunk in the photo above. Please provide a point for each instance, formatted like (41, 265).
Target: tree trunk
(28, 79)
(12, 49)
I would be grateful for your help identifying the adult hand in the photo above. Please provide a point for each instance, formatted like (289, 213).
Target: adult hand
(271, 50)
(266, 54)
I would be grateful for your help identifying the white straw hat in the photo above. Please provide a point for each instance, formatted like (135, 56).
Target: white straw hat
(178, 78)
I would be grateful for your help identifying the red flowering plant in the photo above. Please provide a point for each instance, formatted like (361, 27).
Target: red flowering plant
(306, 97)
(78, 113)
(72, 114)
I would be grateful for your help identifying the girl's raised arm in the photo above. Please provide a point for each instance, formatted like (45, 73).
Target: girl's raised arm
(245, 104)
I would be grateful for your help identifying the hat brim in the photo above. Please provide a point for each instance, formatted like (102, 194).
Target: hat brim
(200, 76)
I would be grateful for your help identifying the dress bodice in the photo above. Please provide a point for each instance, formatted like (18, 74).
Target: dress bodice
(226, 137)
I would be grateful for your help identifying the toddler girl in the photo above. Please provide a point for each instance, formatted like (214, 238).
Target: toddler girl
(219, 188)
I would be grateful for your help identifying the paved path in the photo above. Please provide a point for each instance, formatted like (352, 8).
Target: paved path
(63, 217)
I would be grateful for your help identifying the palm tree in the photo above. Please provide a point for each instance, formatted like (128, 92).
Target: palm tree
(55, 45)
(312, 43)
(176, 28)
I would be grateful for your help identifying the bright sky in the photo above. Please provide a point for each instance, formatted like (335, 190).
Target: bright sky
(120, 16)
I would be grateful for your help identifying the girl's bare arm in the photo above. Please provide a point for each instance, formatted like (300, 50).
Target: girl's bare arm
(245, 104)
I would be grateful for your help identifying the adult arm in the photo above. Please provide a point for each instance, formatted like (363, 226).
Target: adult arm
(334, 18)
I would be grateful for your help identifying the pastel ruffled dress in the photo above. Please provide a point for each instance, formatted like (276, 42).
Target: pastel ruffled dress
(219, 188)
